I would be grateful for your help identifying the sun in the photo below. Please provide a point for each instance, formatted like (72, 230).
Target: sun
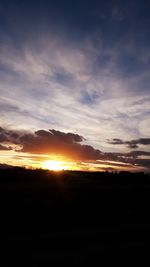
(55, 165)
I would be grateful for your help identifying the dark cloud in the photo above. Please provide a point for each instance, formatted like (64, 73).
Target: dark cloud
(65, 137)
(5, 148)
(116, 141)
(143, 162)
(52, 141)
(136, 154)
(8, 136)
(3, 137)
(131, 144)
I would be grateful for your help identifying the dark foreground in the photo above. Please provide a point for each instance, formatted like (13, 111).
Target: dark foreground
(73, 218)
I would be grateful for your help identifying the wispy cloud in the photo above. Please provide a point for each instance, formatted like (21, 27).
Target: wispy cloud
(94, 81)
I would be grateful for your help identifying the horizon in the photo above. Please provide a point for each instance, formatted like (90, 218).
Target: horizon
(7, 167)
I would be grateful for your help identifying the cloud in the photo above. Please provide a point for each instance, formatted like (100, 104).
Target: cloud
(57, 142)
(136, 154)
(9, 136)
(4, 147)
(143, 162)
(131, 144)
(3, 135)
(51, 142)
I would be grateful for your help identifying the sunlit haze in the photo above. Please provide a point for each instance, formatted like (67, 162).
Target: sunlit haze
(55, 165)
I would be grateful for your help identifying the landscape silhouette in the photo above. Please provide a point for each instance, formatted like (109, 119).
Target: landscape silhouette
(73, 217)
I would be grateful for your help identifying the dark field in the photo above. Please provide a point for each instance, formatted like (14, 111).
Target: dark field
(73, 218)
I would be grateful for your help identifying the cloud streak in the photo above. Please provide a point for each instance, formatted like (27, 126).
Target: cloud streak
(131, 144)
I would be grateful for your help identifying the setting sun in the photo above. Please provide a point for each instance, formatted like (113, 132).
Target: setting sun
(55, 165)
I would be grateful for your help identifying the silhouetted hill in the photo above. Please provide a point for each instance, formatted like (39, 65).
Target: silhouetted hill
(5, 166)
(73, 218)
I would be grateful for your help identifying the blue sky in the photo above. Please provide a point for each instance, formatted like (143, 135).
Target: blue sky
(77, 66)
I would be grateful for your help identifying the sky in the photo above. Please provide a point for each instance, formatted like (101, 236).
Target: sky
(75, 83)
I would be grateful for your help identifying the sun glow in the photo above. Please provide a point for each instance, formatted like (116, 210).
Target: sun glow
(55, 165)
